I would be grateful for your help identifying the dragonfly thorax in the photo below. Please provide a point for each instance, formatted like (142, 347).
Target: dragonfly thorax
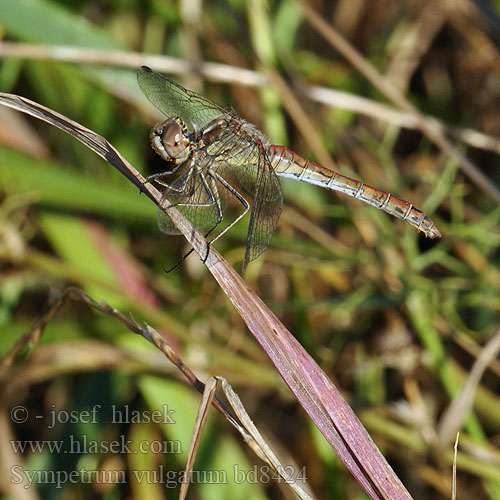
(170, 140)
(222, 131)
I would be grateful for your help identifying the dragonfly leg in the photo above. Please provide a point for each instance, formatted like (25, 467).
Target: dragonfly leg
(213, 198)
(238, 196)
(219, 215)
(246, 206)
(178, 191)
(157, 177)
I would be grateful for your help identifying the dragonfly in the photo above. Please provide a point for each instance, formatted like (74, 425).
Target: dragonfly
(216, 158)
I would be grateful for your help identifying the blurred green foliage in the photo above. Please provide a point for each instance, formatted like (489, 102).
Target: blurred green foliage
(395, 319)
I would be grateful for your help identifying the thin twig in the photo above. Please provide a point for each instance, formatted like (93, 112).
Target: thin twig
(310, 385)
(31, 337)
(456, 412)
(151, 335)
(454, 473)
(247, 429)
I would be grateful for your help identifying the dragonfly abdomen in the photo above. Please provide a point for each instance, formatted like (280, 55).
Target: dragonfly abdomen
(286, 163)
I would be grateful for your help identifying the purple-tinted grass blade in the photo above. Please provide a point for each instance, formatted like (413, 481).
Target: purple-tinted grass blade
(312, 388)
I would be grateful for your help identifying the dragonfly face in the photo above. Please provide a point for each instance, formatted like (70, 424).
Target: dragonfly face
(170, 140)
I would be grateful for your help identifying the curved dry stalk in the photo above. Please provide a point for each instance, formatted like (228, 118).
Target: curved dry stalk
(310, 385)
(249, 432)
(247, 429)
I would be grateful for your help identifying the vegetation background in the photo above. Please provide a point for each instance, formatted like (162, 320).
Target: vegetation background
(396, 320)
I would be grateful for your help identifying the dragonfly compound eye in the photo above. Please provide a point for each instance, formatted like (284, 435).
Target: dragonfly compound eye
(174, 141)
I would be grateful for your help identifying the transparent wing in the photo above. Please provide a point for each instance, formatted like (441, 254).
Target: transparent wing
(266, 208)
(196, 198)
(174, 100)
(237, 159)
(244, 162)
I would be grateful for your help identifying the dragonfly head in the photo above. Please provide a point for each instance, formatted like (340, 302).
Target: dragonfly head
(170, 140)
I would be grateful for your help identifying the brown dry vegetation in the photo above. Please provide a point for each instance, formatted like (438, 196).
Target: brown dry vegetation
(397, 321)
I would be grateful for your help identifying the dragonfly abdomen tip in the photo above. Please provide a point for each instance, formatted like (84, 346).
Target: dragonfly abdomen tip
(429, 229)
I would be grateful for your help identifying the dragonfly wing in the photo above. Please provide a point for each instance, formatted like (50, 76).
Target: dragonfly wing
(195, 198)
(266, 208)
(239, 160)
(174, 100)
